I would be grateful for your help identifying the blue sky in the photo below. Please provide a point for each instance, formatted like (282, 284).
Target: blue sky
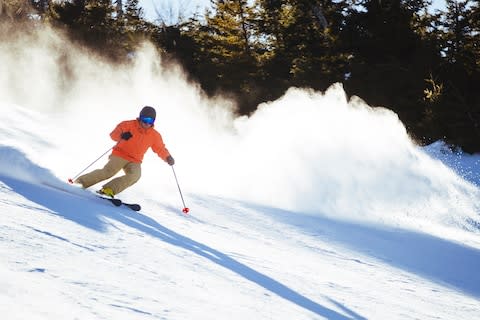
(173, 8)
(188, 7)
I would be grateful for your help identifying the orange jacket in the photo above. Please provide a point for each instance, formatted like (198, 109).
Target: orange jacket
(134, 148)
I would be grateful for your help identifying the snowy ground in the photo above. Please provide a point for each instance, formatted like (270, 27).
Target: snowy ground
(313, 208)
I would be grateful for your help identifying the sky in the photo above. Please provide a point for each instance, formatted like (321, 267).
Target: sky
(171, 10)
(315, 207)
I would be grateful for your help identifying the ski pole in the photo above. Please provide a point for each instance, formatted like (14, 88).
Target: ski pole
(70, 180)
(185, 209)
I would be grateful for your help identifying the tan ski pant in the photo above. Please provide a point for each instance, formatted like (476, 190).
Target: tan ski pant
(115, 164)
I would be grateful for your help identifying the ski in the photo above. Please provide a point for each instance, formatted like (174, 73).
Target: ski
(117, 202)
(133, 206)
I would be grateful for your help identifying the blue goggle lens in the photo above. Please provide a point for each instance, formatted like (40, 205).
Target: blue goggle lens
(147, 120)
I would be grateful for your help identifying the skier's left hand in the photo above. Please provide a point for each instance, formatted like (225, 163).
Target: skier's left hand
(170, 160)
(126, 135)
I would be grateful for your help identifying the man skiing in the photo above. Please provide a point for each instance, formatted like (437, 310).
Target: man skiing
(133, 137)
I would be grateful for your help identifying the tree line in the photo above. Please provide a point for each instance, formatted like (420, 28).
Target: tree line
(422, 64)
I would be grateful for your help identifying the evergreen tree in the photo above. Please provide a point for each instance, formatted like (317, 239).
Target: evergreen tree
(302, 41)
(227, 59)
(41, 6)
(102, 26)
(133, 28)
(91, 22)
(132, 17)
(455, 117)
(460, 38)
(390, 62)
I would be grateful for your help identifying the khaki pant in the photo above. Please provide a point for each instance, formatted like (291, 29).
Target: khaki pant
(132, 171)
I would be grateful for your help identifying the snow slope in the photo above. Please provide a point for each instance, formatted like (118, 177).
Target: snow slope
(315, 207)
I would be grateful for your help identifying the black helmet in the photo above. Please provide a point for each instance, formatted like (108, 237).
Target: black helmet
(148, 112)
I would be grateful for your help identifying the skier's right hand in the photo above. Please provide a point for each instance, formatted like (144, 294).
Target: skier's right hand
(126, 135)
(170, 160)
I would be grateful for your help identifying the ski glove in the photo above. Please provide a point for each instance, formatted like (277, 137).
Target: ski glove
(126, 135)
(170, 160)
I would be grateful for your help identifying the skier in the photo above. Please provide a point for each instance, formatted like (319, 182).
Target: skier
(134, 137)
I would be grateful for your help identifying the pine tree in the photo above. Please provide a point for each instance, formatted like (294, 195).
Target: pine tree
(391, 56)
(302, 43)
(102, 26)
(461, 39)
(90, 22)
(456, 116)
(228, 55)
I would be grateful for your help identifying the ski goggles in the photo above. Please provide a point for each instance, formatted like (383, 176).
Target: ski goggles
(147, 120)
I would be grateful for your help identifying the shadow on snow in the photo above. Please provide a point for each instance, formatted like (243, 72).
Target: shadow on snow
(439, 260)
(90, 213)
